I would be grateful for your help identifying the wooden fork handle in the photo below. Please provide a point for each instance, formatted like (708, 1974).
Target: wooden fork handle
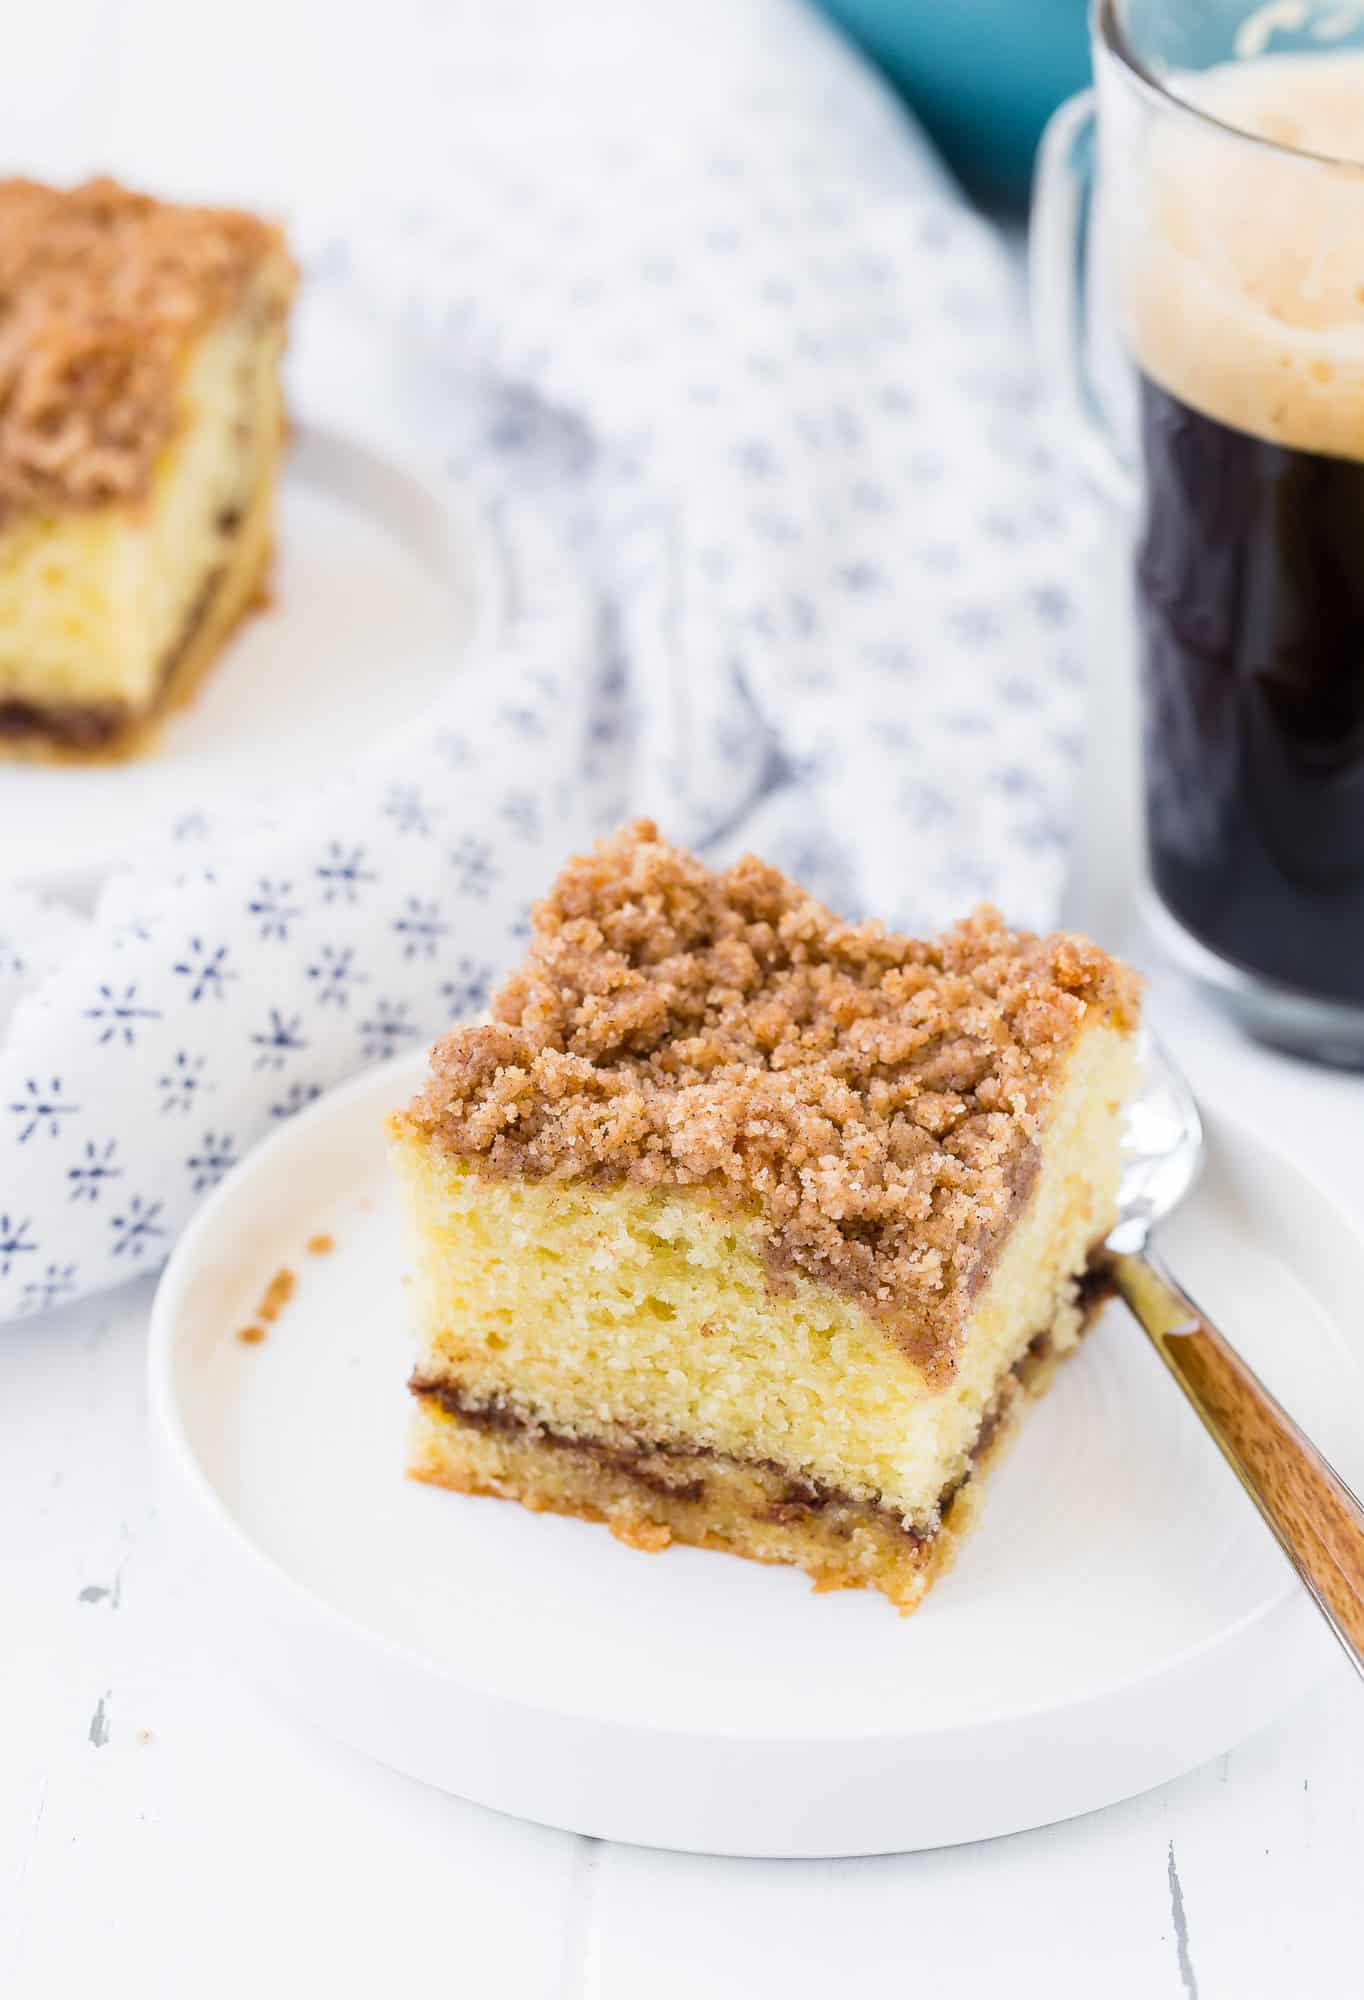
(1318, 1522)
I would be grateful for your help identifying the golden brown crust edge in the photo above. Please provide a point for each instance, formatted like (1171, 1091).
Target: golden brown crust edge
(745, 1511)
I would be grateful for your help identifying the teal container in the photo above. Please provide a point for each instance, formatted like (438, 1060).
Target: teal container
(983, 76)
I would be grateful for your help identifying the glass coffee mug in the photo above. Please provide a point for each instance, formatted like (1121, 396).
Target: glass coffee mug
(1210, 194)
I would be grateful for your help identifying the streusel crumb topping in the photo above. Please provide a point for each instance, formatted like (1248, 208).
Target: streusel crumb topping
(874, 1099)
(101, 292)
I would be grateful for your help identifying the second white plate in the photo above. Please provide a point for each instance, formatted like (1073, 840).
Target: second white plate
(1118, 1615)
(378, 594)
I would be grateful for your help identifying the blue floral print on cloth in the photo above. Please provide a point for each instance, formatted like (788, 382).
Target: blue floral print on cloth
(741, 392)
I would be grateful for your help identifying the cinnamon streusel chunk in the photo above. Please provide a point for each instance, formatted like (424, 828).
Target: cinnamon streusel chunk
(140, 424)
(752, 1221)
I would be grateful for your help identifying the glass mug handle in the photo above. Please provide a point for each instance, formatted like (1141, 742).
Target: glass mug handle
(1060, 288)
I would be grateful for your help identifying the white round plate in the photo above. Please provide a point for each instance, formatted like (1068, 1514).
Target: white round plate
(1118, 1615)
(377, 593)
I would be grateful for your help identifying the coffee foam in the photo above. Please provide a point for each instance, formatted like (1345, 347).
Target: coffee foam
(1242, 270)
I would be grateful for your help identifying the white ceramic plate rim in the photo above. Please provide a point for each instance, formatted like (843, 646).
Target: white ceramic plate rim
(397, 1077)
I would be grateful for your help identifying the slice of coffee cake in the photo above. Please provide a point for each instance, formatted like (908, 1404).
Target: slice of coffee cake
(742, 1226)
(140, 430)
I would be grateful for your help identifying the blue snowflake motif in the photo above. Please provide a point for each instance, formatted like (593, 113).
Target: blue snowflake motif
(41, 1106)
(277, 1040)
(867, 497)
(779, 529)
(334, 974)
(603, 730)
(1000, 527)
(15, 1241)
(58, 1282)
(295, 1099)
(657, 267)
(467, 992)
(1019, 693)
(1043, 835)
(925, 806)
(892, 657)
(137, 1228)
(975, 624)
(723, 238)
(206, 970)
(475, 870)
(803, 615)
(215, 1157)
(389, 1026)
(521, 812)
(408, 810)
(1015, 782)
(189, 826)
(547, 685)
(860, 577)
(613, 678)
(183, 1081)
(451, 748)
(847, 426)
(523, 720)
(342, 873)
(270, 909)
(92, 1170)
(967, 722)
(889, 733)
(511, 429)
(11, 964)
(119, 1010)
(420, 928)
(755, 458)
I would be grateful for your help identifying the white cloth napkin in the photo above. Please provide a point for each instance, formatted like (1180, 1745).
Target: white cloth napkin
(742, 391)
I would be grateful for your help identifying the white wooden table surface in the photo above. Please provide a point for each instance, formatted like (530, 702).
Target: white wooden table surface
(165, 1832)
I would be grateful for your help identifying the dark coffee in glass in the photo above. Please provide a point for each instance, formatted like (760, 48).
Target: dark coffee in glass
(1250, 596)
(1241, 276)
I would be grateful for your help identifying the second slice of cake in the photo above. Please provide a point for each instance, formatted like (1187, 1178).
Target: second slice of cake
(141, 423)
(744, 1227)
